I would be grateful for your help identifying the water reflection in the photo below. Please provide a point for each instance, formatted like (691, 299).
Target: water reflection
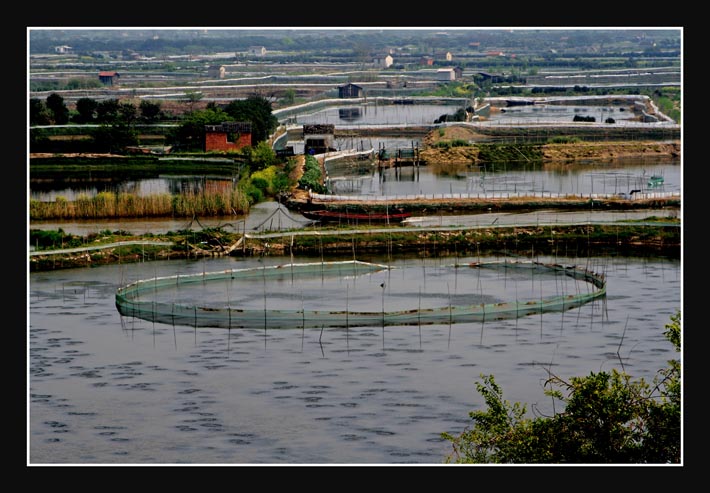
(438, 178)
(378, 114)
(49, 190)
(549, 113)
(350, 114)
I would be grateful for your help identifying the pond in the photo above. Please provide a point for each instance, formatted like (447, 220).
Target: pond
(579, 179)
(366, 179)
(377, 114)
(111, 389)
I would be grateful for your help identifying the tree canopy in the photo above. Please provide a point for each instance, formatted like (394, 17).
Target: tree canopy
(256, 110)
(58, 109)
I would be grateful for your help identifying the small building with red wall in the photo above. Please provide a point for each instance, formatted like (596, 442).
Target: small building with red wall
(109, 78)
(227, 136)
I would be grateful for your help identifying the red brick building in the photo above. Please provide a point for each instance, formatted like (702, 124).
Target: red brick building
(227, 136)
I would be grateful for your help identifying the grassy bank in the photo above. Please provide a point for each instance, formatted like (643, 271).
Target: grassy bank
(570, 241)
(580, 240)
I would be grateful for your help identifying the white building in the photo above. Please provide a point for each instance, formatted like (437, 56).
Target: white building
(445, 74)
(385, 62)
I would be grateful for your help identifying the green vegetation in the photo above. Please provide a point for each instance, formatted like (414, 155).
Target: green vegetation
(257, 111)
(261, 176)
(490, 153)
(48, 239)
(138, 165)
(312, 178)
(564, 139)
(607, 417)
(579, 241)
(120, 118)
(454, 89)
(668, 101)
(448, 144)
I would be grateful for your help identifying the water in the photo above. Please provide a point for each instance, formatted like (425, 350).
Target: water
(550, 113)
(604, 177)
(50, 189)
(426, 114)
(611, 177)
(110, 389)
(579, 179)
(378, 114)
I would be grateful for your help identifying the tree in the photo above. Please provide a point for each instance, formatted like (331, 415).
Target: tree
(261, 156)
(289, 96)
(59, 111)
(114, 138)
(607, 418)
(127, 113)
(256, 110)
(39, 114)
(193, 97)
(150, 112)
(86, 109)
(107, 111)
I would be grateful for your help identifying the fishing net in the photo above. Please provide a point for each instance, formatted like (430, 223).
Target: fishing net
(355, 293)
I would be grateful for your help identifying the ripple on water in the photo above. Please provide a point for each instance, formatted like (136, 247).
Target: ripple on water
(373, 380)
(189, 391)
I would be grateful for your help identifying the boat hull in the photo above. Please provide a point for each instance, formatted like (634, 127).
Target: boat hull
(355, 217)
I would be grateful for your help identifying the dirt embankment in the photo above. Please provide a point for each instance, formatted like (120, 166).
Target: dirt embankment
(609, 150)
(566, 152)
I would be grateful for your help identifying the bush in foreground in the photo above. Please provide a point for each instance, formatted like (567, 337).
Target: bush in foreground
(608, 418)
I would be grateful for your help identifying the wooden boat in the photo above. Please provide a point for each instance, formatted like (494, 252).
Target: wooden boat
(325, 215)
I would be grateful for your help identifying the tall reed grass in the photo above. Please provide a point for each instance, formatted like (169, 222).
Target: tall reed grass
(111, 205)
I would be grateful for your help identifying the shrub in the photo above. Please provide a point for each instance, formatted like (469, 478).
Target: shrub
(607, 418)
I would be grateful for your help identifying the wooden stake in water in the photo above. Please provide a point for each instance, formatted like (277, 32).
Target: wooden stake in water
(383, 285)
(264, 283)
(450, 315)
(419, 317)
